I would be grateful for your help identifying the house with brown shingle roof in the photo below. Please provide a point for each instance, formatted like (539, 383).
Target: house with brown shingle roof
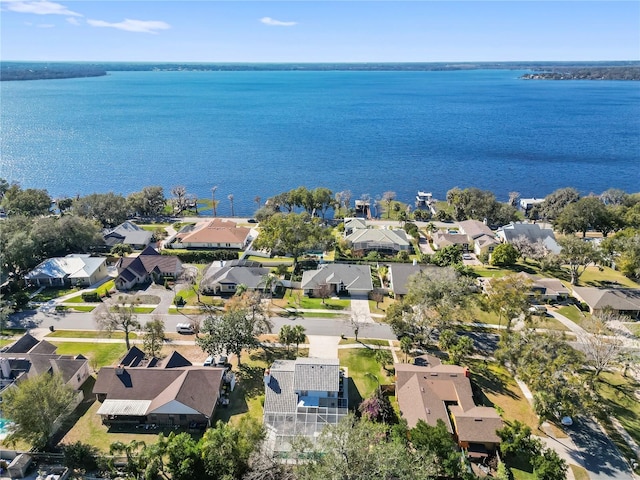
(216, 233)
(430, 391)
(167, 393)
(480, 236)
(147, 266)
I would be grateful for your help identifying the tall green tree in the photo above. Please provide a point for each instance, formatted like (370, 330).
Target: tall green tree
(34, 405)
(507, 297)
(555, 202)
(149, 201)
(588, 213)
(437, 441)
(504, 255)
(153, 338)
(109, 209)
(30, 202)
(292, 234)
(577, 255)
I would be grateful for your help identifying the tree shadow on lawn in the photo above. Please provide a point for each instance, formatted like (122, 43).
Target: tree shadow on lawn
(78, 413)
(484, 379)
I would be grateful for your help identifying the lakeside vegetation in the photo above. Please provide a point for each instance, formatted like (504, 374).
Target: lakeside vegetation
(60, 70)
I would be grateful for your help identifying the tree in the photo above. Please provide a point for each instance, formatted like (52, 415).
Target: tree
(230, 197)
(230, 332)
(121, 249)
(153, 338)
(383, 357)
(80, 457)
(179, 199)
(613, 196)
(34, 405)
(388, 197)
(298, 336)
(504, 255)
(323, 291)
(555, 202)
(120, 316)
(459, 347)
(549, 466)
(600, 347)
(292, 234)
(585, 214)
(377, 296)
(438, 441)
(378, 408)
(132, 451)
(149, 201)
(362, 449)
(30, 202)
(322, 199)
(406, 345)
(285, 336)
(107, 208)
(577, 255)
(507, 297)
(516, 439)
(226, 448)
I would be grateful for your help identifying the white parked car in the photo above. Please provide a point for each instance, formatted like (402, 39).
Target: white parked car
(185, 328)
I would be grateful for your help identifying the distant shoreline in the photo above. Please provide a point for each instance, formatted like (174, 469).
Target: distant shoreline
(629, 70)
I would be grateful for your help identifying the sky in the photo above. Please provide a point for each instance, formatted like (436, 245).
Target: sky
(319, 31)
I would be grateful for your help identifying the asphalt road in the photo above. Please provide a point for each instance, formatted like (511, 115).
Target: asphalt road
(596, 452)
(313, 326)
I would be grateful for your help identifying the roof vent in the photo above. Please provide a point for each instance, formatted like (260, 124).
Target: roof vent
(120, 369)
(478, 419)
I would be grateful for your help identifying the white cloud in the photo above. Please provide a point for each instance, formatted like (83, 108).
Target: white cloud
(73, 21)
(272, 22)
(40, 7)
(139, 26)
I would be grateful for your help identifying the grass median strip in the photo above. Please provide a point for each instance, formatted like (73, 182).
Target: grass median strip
(94, 334)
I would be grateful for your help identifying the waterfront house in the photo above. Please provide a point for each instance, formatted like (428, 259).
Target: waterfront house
(148, 392)
(128, 233)
(442, 239)
(381, 240)
(302, 396)
(530, 231)
(73, 270)
(480, 236)
(429, 391)
(148, 266)
(341, 278)
(217, 233)
(400, 273)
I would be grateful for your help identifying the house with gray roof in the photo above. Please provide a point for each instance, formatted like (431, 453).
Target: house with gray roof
(147, 392)
(400, 273)
(532, 232)
(29, 357)
(624, 301)
(74, 269)
(224, 278)
(128, 233)
(341, 278)
(302, 396)
(147, 266)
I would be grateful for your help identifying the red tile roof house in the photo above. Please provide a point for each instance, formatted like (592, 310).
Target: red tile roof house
(163, 393)
(216, 233)
(147, 266)
(430, 391)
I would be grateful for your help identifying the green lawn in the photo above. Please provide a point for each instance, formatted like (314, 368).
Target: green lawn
(141, 310)
(366, 341)
(99, 354)
(296, 299)
(634, 328)
(360, 362)
(574, 314)
(266, 261)
(51, 293)
(106, 287)
(382, 307)
(605, 277)
(618, 395)
(76, 299)
(75, 308)
(89, 334)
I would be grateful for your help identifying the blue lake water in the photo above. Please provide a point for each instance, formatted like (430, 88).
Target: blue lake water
(260, 133)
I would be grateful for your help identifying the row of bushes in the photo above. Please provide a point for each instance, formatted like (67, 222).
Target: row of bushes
(202, 256)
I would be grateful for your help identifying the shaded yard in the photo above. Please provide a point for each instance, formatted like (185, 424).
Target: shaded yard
(360, 362)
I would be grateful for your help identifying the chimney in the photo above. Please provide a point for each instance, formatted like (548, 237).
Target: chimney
(466, 372)
(267, 376)
(119, 369)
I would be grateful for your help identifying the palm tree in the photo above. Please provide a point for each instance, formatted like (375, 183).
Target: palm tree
(298, 334)
(285, 336)
(230, 197)
(214, 202)
(431, 228)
